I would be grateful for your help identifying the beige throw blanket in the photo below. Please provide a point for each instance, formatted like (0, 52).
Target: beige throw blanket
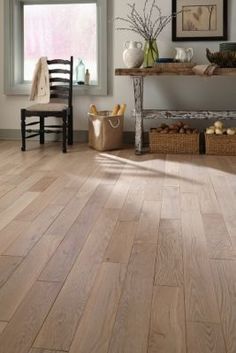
(40, 90)
(204, 70)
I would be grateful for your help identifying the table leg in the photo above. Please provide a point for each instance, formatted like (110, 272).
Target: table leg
(138, 102)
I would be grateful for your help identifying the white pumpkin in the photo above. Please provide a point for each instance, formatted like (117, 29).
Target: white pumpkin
(210, 131)
(219, 131)
(218, 125)
(231, 132)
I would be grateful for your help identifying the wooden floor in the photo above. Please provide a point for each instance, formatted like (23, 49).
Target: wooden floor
(115, 253)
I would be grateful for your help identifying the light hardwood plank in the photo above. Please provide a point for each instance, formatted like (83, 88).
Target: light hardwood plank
(3, 324)
(225, 285)
(5, 188)
(154, 179)
(42, 201)
(91, 183)
(205, 338)
(189, 201)
(207, 196)
(62, 261)
(63, 197)
(171, 203)
(20, 333)
(18, 206)
(133, 203)
(21, 187)
(26, 241)
(231, 177)
(60, 264)
(147, 228)
(169, 264)
(227, 203)
(172, 171)
(93, 334)
(25, 166)
(59, 328)
(226, 165)
(42, 184)
(218, 239)
(118, 195)
(167, 331)
(187, 179)
(69, 215)
(200, 299)
(120, 246)
(15, 289)
(11, 232)
(111, 173)
(8, 264)
(7, 168)
(224, 253)
(130, 333)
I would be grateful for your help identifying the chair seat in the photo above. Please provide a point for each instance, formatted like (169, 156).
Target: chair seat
(49, 107)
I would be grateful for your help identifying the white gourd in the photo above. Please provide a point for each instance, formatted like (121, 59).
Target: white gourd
(210, 131)
(230, 132)
(218, 125)
(219, 131)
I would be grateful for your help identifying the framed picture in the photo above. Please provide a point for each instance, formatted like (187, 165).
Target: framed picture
(199, 20)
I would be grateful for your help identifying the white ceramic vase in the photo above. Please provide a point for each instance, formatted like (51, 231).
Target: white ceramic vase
(133, 54)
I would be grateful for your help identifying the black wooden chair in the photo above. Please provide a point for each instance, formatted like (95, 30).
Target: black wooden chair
(60, 106)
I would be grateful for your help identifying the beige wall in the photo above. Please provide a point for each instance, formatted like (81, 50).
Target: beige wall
(164, 92)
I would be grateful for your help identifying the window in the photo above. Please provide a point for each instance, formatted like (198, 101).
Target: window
(56, 29)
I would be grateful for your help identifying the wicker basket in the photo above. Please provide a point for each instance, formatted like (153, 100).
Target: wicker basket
(224, 145)
(173, 143)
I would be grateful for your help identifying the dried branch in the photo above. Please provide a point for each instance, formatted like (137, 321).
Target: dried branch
(149, 23)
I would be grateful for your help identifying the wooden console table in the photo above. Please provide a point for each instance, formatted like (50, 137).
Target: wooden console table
(138, 75)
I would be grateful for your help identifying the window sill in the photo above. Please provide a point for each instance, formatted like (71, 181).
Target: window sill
(83, 90)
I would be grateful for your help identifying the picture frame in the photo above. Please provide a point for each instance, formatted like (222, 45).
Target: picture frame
(199, 20)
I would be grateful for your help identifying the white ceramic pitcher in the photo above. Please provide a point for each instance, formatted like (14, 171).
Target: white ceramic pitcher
(184, 55)
(133, 54)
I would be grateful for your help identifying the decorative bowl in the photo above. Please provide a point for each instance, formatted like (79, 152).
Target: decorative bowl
(222, 58)
(228, 46)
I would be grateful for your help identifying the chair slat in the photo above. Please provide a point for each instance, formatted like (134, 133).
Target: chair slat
(59, 71)
(59, 95)
(59, 88)
(58, 61)
(59, 79)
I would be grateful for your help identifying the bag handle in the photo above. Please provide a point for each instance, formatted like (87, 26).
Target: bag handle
(114, 126)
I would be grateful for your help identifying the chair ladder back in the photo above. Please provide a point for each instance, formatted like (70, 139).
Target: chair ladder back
(61, 79)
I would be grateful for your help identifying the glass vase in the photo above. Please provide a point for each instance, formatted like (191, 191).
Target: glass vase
(151, 54)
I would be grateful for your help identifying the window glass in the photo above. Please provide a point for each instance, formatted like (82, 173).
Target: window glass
(60, 31)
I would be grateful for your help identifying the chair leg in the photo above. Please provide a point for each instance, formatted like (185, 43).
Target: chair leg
(23, 129)
(70, 127)
(64, 130)
(41, 136)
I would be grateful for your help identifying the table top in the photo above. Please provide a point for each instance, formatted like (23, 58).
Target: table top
(171, 69)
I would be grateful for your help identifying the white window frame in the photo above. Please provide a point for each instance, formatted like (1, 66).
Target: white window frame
(13, 46)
